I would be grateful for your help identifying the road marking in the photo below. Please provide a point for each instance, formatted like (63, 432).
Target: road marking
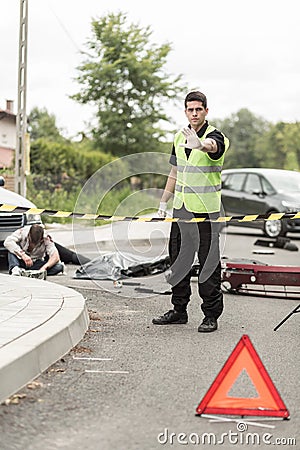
(84, 358)
(106, 371)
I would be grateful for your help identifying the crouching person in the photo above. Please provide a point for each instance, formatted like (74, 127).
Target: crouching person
(30, 248)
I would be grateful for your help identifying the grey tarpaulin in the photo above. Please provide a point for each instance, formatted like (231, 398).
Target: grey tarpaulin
(114, 266)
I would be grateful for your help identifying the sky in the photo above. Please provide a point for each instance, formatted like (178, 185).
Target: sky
(240, 53)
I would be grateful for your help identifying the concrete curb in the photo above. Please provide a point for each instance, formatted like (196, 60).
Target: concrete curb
(40, 322)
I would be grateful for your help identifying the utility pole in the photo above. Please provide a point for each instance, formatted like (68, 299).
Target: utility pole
(22, 141)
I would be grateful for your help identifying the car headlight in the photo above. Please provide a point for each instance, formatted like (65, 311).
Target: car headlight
(33, 218)
(290, 207)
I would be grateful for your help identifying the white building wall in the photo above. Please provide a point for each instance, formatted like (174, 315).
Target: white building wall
(8, 132)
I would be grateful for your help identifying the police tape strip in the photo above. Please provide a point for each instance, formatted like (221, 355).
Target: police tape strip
(86, 216)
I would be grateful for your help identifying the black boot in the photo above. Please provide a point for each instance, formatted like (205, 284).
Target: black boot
(208, 325)
(171, 317)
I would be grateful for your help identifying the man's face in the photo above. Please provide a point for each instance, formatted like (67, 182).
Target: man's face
(196, 114)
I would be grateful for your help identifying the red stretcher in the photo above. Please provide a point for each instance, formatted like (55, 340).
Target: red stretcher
(256, 278)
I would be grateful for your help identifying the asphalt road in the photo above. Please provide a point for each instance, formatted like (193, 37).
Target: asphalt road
(129, 384)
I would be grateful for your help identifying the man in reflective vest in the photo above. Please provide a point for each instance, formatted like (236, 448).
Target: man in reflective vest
(195, 181)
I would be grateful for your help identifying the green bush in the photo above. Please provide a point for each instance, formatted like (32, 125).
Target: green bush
(118, 201)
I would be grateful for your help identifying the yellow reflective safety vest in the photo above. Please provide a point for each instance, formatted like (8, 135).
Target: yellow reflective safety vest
(198, 183)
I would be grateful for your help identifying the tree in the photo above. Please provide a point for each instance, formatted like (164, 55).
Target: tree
(243, 130)
(124, 78)
(43, 124)
(279, 147)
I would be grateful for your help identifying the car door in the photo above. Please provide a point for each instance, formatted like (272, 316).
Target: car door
(254, 198)
(232, 193)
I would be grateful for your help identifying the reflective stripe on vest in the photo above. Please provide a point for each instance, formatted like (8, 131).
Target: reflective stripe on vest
(195, 169)
(197, 189)
(198, 183)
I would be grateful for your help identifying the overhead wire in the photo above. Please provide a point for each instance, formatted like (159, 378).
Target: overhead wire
(64, 28)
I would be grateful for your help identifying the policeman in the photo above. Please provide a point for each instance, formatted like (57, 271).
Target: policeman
(195, 181)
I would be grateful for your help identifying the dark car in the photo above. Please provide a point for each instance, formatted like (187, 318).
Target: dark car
(262, 191)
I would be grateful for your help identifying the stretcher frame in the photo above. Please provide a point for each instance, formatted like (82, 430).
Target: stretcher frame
(259, 278)
(246, 277)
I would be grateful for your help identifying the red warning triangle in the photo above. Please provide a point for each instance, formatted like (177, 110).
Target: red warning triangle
(267, 402)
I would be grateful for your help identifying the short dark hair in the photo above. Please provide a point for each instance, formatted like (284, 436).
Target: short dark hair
(196, 96)
(36, 233)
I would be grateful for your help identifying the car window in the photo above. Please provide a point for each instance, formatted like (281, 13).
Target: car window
(224, 178)
(234, 181)
(253, 184)
(267, 187)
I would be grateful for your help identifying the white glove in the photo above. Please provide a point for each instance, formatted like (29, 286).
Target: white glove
(162, 210)
(192, 140)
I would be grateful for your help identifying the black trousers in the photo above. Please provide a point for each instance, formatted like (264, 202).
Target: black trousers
(187, 240)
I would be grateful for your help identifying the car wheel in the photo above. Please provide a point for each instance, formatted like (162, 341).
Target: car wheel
(274, 228)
